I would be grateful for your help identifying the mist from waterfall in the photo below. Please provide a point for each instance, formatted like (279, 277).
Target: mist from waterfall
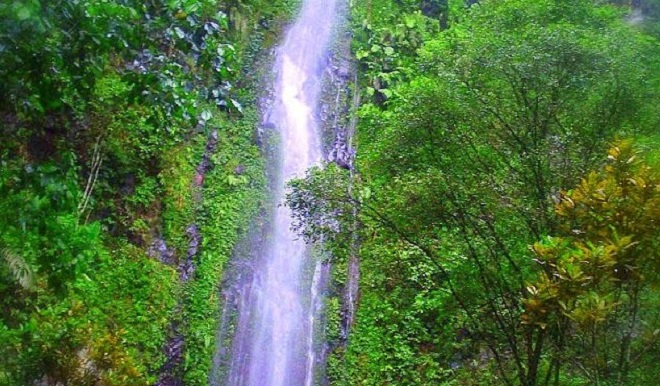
(273, 343)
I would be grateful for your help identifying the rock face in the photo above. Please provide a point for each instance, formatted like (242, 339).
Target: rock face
(339, 122)
(335, 115)
(159, 251)
(340, 152)
(170, 373)
(211, 146)
(187, 268)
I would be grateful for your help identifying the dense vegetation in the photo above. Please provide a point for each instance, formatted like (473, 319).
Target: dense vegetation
(106, 108)
(507, 196)
(504, 202)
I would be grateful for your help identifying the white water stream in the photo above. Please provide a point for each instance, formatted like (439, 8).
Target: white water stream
(274, 342)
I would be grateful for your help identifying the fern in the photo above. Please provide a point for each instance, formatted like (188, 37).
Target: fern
(19, 269)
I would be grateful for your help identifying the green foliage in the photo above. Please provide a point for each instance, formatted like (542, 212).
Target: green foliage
(596, 278)
(461, 162)
(233, 193)
(46, 230)
(107, 106)
(86, 307)
(17, 268)
(164, 49)
(177, 179)
(319, 203)
(387, 36)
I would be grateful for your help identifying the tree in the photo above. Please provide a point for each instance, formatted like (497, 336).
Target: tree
(595, 278)
(463, 166)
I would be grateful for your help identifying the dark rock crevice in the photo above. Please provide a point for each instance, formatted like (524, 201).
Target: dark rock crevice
(170, 374)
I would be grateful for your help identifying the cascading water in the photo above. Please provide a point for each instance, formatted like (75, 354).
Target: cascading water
(278, 304)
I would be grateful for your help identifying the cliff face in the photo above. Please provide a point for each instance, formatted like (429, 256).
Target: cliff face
(129, 168)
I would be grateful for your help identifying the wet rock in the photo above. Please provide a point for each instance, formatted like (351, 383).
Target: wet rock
(170, 373)
(344, 70)
(195, 239)
(174, 354)
(262, 133)
(187, 267)
(343, 164)
(158, 250)
(340, 153)
(205, 165)
(268, 126)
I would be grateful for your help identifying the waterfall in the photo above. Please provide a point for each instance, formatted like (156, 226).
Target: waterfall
(278, 303)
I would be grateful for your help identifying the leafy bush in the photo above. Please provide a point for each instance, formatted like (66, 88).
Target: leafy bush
(461, 162)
